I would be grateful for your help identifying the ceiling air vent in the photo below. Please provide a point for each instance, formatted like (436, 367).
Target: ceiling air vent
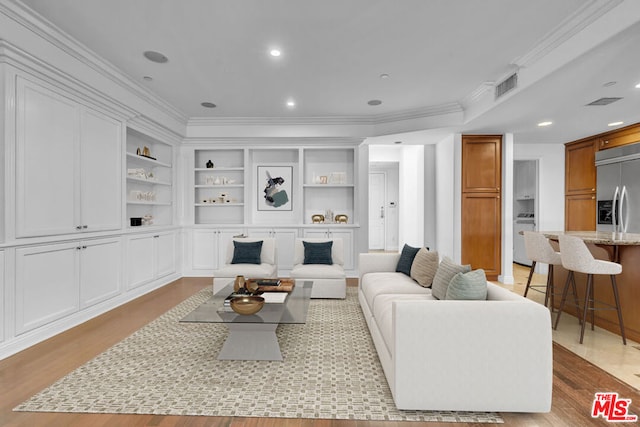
(506, 85)
(604, 101)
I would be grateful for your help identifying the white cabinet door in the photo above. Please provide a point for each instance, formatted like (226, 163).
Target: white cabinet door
(100, 271)
(100, 172)
(165, 247)
(47, 284)
(140, 259)
(204, 249)
(47, 135)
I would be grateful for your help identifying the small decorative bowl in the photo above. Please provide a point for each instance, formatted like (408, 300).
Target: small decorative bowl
(248, 304)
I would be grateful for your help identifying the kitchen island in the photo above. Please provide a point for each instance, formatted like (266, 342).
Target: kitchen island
(623, 248)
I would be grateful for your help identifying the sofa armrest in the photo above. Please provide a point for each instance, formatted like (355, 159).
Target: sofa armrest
(473, 355)
(374, 262)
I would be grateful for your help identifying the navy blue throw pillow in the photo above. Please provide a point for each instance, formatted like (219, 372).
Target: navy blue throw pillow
(406, 259)
(317, 253)
(246, 252)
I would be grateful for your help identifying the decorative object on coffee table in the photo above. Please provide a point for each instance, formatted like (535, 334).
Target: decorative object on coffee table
(247, 304)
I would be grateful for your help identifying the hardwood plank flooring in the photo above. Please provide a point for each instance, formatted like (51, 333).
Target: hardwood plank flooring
(28, 372)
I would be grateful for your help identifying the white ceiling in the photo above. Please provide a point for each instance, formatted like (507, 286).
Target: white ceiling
(437, 53)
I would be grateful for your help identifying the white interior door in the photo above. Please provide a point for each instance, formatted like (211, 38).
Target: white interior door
(377, 214)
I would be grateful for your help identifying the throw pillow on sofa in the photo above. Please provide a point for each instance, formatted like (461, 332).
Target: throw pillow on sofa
(406, 259)
(468, 286)
(424, 267)
(446, 270)
(246, 252)
(318, 253)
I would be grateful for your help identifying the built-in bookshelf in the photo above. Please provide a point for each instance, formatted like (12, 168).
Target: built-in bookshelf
(149, 175)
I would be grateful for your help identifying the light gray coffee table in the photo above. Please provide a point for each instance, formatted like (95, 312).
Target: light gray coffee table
(253, 337)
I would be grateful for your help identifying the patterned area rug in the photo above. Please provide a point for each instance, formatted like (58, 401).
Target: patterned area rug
(330, 370)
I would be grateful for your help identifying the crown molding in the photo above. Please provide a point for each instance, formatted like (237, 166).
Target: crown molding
(154, 129)
(416, 113)
(298, 142)
(34, 22)
(21, 60)
(588, 13)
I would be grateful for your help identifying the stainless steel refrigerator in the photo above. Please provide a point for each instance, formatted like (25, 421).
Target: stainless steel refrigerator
(618, 191)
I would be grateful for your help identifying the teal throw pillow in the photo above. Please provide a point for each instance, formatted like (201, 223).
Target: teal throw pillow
(317, 253)
(468, 286)
(246, 252)
(446, 270)
(406, 259)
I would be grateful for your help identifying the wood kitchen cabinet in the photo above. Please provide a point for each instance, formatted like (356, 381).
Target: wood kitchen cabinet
(481, 203)
(580, 169)
(580, 185)
(624, 136)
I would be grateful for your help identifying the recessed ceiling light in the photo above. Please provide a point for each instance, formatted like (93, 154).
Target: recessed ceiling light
(291, 103)
(397, 142)
(384, 76)
(208, 105)
(615, 123)
(374, 102)
(543, 124)
(638, 86)
(275, 52)
(607, 84)
(155, 57)
(147, 78)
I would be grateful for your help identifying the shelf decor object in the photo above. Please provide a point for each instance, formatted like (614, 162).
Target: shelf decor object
(275, 188)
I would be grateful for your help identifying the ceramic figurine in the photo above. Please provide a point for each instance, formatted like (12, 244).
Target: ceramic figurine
(209, 164)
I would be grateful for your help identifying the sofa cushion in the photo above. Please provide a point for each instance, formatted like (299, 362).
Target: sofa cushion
(446, 270)
(468, 286)
(317, 271)
(424, 267)
(383, 314)
(246, 252)
(317, 253)
(382, 283)
(406, 259)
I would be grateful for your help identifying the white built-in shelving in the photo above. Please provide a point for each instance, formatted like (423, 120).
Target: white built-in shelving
(149, 183)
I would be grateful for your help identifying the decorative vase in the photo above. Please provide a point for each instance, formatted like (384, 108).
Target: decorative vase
(209, 164)
(238, 283)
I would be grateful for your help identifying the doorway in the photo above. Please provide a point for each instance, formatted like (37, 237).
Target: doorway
(383, 206)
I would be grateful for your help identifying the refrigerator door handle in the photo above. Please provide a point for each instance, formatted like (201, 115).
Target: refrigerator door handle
(614, 210)
(623, 221)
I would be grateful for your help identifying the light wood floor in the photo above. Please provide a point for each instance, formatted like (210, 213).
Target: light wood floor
(24, 374)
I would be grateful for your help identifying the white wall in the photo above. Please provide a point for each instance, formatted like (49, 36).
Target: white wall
(444, 197)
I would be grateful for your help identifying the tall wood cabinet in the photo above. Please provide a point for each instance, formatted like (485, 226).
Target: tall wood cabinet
(481, 203)
(580, 185)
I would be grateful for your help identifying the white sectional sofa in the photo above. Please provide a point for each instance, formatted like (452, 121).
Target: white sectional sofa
(493, 355)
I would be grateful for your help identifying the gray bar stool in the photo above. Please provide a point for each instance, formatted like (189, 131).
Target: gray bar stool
(576, 257)
(539, 249)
